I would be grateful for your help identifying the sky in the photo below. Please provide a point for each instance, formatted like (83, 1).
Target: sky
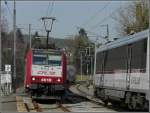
(69, 16)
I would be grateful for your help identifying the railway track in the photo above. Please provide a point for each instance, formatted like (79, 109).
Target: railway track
(26, 104)
(72, 103)
(97, 101)
(37, 107)
(63, 108)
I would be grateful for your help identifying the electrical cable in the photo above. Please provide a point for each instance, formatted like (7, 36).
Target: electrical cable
(52, 7)
(106, 18)
(96, 14)
(48, 8)
(50, 12)
(8, 8)
(98, 24)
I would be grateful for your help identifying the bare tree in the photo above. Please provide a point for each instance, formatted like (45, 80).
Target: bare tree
(132, 18)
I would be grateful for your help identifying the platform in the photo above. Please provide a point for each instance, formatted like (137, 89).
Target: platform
(8, 104)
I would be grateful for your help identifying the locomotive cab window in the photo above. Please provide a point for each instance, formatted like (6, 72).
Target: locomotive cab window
(39, 59)
(54, 60)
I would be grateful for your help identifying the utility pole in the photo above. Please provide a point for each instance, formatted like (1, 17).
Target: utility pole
(95, 51)
(14, 52)
(107, 33)
(30, 36)
(95, 44)
(106, 37)
(81, 65)
(0, 48)
(89, 56)
(87, 61)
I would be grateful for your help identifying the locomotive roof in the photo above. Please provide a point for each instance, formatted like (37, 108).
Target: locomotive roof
(124, 41)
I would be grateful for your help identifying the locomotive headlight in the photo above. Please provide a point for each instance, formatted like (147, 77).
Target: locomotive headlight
(49, 80)
(58, 80)
(33, 78)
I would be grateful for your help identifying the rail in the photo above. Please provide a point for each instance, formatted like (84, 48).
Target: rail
(26, 104)
(63, 108)
(36, 106)
(96, 100)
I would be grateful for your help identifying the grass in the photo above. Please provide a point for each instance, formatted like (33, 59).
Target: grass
(84, 77)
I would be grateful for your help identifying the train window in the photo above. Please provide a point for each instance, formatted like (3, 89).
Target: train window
(99, 62)
(54, 60)
(39, 59)
(145, 46)
(139, 55)
(116, 59)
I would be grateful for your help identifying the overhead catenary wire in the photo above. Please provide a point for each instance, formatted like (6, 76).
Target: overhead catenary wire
(48, 8)
(50, 5)
(96, 14)
(98, 24)
(8, 8)
(11, 14)
(26, 27)
(42, 30)
(92, 33)
(33, 29)
(104, 19)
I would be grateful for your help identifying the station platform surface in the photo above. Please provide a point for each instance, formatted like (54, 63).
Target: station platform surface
(8, 103)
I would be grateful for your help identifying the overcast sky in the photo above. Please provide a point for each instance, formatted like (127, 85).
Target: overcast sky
(69, 15)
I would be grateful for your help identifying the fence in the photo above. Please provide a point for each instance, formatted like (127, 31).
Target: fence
(5, 84)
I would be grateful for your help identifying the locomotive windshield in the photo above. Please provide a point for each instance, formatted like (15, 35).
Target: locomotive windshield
(39, 59)
(45, 59)
(54, 60)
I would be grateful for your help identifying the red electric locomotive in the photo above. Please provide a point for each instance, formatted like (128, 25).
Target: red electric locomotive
(45, 73)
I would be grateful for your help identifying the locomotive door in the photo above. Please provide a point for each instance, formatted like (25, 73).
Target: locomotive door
(129, 58)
